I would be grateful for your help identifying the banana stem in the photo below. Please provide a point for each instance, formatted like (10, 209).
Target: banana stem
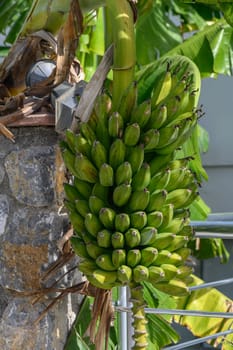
(139, 318)
(122, 20)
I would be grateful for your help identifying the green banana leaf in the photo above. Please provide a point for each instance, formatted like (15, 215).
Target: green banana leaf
(209, 299)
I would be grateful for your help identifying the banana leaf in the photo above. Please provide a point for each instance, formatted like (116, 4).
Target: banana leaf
(209, 299)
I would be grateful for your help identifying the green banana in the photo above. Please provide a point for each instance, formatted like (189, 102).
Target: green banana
(187, 230)
(106, 175)
(168, 212)
(163, 240)
(82, 206)
(94, 250)
(176, 177)
(123, 173)
(183, 252)
(174, 287)
(132, 238)
(138, 200)
(174, 225)
(83, 187)
(84, 169)
(69, 161)
(98, 153)
(157, 200)
(184, 271)
(71, 193)
(135, 156)
(124, 274)
(167, 135)
(87, 132)
(95, 204)
(92, 224)
(158, 117)
(122, 222)
(148, 256)
(140, 273)
(156, 274)
(118, 240)
(81, 145)
(115, 125)
(142, 178)
(150, 139)
(100, 191)
(178, 197)
(155, 218)
(159, 181)
(104, 238)
(77, 221)
(138, 219)
(87, 266)
(117, 153)
(103, 277)
(162, 89)
(128, 101)
(170, 271)
(133, 257)
(104, 261)
(79, 247)
(166, 257)
(148, 236)
(121, 194)
(95, 282)
(141, 113)
(70, 139)
(118, 257)
(131, 134)
(107, 217)
(158, 162)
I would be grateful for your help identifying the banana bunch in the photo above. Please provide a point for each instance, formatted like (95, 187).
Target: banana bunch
(129, 195)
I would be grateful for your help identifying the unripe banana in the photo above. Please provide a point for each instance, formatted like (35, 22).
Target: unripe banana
(163, 240)
(104, 277)
(128, 101)
(170, 271)
(106, 175)
(162, 89)
(141, 113)
(94, 281)
(118, 257)
(156, 274)
(158, 162)
(184, 253)
(176, 178)
(115, 125)
(148, 236)
(135, 156)
(179, 197)
(69, 160)
(87, 132)
(138, 219)
(139, 200)
(148, 256)
(84, 168)
(79, 247)
(104, 261)
(133, 257)
(168, 212)
(82, 207)
(159, 181)
(174, 287)
(155, 219)
(142, 178)
(92, 224)
(174, 225)
(150, 139)
(157, 200)
(107, 217)
(83, 187)
(98, 153)
(117, 153)
(132, 237)
(77, 222)
(95, 204)
(94, 250)
(81, 145)
(167, 135)
(124, 274)
(70, 206)
(71, 193)
(184, 271)
(70, 137)
(123, 173)
(121, 194)
(166, 257)
(158, 117)
(100, 191)
(104, 238)
(186, 231)
(118, 240)
(87, 266)
(140, 273)
(122, 222)
(131, 134)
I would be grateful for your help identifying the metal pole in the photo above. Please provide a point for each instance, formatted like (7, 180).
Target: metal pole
(212, 284)
(123, 319)
(212, 226)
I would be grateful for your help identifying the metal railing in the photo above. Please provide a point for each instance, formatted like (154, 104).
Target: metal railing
(216, 226)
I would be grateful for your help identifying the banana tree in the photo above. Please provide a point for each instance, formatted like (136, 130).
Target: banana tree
(121, 88)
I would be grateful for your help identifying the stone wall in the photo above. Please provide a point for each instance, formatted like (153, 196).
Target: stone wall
(31, 223)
